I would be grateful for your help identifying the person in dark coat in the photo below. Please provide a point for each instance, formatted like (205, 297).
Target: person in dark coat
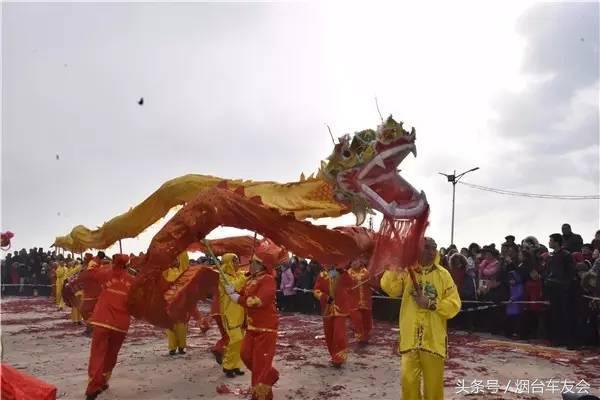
(571, 241)
(558, 284)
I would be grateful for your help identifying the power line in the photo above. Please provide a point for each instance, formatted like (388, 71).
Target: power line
(532, 195)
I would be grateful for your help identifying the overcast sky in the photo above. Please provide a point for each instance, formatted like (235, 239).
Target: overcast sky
(245, 91)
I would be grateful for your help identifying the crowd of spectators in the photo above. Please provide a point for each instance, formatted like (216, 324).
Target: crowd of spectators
(525, 291)
(28, 273)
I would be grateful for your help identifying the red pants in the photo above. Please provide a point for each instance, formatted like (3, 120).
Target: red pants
(258, 350)
(106, 344)
(219, 347)
(362, 323)
(335, 336)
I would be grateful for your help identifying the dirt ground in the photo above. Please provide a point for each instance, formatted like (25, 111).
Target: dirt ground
(42, 341)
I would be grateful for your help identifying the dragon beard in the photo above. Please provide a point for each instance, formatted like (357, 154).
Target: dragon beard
(398, 244)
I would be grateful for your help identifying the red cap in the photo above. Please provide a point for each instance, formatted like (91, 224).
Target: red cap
(120, 260)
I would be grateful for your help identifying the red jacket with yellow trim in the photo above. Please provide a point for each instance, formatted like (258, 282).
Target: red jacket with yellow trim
(91, 287)
(361, 295)
(92, 290)
(337, 288)
(111, 309)
(258, 298)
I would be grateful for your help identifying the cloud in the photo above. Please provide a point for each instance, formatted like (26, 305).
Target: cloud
(544, 137)
(245, 90)
(558, 109)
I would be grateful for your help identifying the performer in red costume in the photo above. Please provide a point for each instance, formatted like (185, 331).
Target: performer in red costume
(360, 313)
(332, 290)
(110, 322)
(91, 290)
(258, 347)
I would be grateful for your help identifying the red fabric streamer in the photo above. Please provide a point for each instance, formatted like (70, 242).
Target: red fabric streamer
(240, 245)
(193, 285)
(398, 245)
(16, 385)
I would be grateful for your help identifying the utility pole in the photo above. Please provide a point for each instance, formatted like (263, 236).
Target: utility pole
(453, 178)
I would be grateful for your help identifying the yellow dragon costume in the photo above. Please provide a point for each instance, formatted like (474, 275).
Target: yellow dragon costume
(423, 335)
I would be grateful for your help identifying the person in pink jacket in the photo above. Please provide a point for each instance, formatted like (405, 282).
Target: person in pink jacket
(489, 270)
(287, 288)
(490, 289)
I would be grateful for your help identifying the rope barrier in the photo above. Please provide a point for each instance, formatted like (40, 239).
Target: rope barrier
(25, 284)
(494, 303)
(489, 303)
(465, 310)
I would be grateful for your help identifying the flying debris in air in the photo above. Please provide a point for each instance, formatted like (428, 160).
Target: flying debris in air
(141, 101)
(57, 157)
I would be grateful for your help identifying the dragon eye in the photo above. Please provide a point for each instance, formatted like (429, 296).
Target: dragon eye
(346, 154)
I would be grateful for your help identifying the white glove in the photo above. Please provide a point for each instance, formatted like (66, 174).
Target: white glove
(229, 289)
(234, 297)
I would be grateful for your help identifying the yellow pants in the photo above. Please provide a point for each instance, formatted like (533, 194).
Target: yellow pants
(59, 300)
(75, 315)
(430, 366)
(177, 336)
(232, 358)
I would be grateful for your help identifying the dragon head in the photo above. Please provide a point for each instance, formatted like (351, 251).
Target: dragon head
(363, 170)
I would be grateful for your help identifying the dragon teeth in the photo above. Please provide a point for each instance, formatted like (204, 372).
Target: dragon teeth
(379, 161)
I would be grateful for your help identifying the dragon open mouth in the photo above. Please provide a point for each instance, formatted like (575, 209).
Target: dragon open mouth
(377, 179)
(386, 190)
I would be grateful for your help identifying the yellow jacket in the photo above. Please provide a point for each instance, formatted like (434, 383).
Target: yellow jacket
(421, 328)
(60, 272)
(61, 275)
(173, 272)
(69, 272)
(232, 313)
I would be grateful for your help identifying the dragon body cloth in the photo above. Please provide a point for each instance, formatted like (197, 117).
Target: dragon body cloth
(360, 176)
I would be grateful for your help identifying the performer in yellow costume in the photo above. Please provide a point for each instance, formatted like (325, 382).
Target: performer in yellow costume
(75, 312)
(177, 337)
(61, 272)
(232, 313)
(423, 316)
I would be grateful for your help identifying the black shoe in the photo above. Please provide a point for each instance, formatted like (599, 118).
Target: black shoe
(172, 352)
(218, 357)
(238, 372)
(181, 350)
(104, 387)
(229, 373)
(92, 396)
